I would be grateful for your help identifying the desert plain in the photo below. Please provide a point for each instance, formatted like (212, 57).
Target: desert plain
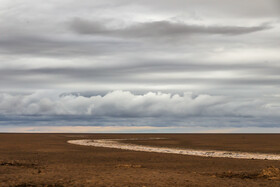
(48, 160)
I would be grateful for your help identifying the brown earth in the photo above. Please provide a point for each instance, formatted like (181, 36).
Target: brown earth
(48, 160)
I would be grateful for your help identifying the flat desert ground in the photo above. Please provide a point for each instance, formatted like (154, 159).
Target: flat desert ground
(48, 160)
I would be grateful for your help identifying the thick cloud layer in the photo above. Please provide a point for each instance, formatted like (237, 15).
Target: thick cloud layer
(126, 105)
(79, 53)
(113, 104)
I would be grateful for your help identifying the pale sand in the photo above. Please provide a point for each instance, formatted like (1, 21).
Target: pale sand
(115, 143)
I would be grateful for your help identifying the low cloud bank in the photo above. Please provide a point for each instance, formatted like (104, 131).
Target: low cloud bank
(127, 104)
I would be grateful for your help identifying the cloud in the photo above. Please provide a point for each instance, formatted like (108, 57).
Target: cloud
(22, 44)
(228, 8)
(146, 72)
(124, 104)
(125, 109)
(224, 52)
(159, 29)
(113, 104)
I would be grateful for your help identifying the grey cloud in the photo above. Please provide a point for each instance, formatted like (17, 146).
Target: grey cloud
(146, 73)
(114, 104)
(123, 107)
(126, 104)
(46, 35)
(226, 52)
(159, 29)
(60, 47)
(77, 120)
(146, 65)
(251, 8)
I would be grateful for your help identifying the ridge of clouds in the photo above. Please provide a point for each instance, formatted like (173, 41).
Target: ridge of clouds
(126, 104)
(123, 108)
(159, 29)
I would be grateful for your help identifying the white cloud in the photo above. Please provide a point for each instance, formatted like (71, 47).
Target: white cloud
(126, 104)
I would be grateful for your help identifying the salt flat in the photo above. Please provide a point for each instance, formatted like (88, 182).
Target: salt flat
(116, 144)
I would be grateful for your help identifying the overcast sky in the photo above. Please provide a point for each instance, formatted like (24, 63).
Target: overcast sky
(144, 65)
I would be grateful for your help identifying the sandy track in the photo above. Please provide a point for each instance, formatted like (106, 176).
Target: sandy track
(115, 143)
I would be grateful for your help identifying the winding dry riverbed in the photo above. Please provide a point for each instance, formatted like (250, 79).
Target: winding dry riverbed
(117, 144)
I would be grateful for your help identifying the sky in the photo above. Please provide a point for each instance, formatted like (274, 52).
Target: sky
(140, 66)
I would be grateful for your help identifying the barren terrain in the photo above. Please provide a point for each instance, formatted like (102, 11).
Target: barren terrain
(48, 160)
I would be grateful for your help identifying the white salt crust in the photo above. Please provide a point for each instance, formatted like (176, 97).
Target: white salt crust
(116, 144)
